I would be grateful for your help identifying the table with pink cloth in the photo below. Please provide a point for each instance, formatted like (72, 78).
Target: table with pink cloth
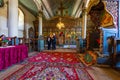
(12, 54)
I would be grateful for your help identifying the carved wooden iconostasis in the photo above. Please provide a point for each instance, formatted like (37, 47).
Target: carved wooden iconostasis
(103, 27)
(66, 35)
(65, 26)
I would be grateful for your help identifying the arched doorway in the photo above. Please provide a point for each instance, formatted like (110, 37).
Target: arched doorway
(102, 28)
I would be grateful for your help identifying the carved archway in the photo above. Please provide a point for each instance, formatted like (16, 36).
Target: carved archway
(100, 17)
(104, 26)
(106, 19)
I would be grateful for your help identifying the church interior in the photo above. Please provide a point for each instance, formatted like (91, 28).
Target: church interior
(59, 40)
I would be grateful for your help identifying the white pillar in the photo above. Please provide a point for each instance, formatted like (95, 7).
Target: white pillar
(84, 24)
(40, 25)
(13, 18)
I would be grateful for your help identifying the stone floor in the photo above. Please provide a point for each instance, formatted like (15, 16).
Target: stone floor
(104, 72)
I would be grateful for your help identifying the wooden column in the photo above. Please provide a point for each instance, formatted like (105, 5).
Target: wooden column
(84, 24)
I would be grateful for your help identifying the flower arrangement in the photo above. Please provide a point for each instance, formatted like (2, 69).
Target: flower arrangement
(4, 40)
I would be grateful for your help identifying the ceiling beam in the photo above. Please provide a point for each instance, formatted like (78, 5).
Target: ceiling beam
(45, 11)
(86, 3)
(38, 3)
(47, 6)
(39, 6)
(76, 6)
(46, 14)
(79, 10)
(78, 14)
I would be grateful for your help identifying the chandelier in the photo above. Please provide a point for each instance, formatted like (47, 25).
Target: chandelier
(60, 24)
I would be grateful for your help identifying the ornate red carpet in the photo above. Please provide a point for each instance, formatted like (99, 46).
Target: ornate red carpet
(52, 66)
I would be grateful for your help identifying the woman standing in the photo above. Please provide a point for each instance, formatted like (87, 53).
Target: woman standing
(54, 42)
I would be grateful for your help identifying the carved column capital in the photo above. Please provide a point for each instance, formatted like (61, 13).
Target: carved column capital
(84, 11)
(40, 14)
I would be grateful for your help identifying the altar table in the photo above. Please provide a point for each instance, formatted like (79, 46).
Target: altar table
(12, 54)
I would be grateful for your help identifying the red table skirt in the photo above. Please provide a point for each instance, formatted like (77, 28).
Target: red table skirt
(12, 55)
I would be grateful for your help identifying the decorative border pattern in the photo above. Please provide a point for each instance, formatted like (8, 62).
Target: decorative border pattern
(112, 7)
(35, 69)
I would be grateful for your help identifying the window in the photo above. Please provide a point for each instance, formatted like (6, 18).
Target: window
(20, 23)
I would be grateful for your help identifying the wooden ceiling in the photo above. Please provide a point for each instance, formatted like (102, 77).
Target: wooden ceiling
(69, 7)
(50, 8)
(67, 4)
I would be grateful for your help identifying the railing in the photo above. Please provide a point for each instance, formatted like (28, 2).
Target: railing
(32, 43)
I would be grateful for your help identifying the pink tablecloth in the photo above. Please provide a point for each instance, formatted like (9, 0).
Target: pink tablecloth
(12, 55)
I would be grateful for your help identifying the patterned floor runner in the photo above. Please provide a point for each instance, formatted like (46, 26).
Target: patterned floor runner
(66, 57)
(51, 66)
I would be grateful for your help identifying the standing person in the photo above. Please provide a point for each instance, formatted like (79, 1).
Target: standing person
(49, 42)
(54, 41)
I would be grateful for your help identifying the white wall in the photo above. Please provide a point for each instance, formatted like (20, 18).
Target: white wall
(3, 21)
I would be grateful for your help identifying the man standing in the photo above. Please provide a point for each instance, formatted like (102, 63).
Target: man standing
(54, 41)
